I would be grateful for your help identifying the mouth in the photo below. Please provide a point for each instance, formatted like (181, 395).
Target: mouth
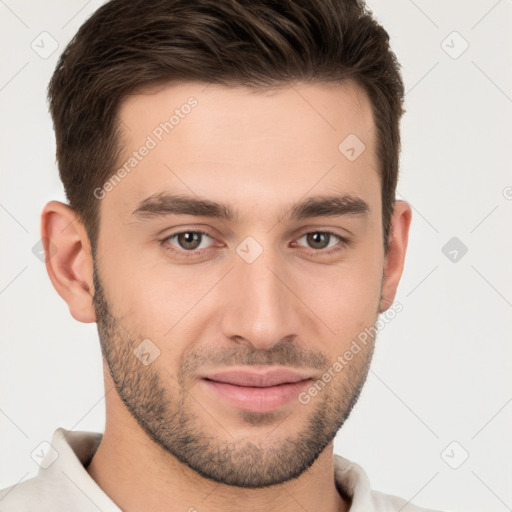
(257, 391)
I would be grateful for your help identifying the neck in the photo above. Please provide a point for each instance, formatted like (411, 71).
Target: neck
(127, 455)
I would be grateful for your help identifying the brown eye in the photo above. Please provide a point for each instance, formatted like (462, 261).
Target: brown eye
(318, 239)
(186, 242)
(189, 240)
(324, 243)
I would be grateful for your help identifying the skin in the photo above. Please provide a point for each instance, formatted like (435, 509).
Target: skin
(293, 306)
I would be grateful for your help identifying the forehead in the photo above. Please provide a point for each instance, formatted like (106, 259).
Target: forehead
(257, 147)
(289, 111)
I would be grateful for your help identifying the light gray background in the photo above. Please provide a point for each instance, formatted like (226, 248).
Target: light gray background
(442, 367)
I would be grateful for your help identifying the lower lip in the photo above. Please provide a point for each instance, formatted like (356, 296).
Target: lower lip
(257, 399)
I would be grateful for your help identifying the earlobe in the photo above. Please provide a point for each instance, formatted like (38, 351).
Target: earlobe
(68, 259)
(395, 257)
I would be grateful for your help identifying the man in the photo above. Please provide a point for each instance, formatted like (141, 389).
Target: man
(232, 229)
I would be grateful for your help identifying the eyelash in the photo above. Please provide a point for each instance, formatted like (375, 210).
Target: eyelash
(344, 242)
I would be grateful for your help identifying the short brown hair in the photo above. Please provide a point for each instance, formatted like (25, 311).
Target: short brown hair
(127, 45)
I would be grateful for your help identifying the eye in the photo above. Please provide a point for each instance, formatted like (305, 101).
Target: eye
(187, 241)
(320, 241)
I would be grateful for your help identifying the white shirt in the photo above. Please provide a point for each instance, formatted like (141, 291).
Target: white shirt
(63, 484)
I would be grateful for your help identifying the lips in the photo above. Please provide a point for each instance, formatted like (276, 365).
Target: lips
(258, 379)
(256, 390)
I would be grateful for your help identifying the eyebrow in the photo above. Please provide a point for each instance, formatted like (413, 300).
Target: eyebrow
(164, 204)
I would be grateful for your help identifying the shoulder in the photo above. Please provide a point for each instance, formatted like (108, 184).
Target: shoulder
(62, 482)
(353, 482)
(27, 496)
(389, 503)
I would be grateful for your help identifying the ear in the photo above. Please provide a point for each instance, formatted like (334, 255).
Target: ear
(394, 261)
(68, 259)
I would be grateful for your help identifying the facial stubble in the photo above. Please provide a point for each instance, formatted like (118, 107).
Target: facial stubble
(164, 407)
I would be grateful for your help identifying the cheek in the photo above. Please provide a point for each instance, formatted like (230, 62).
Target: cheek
(158, 301)
(345, 296)
(346, 299)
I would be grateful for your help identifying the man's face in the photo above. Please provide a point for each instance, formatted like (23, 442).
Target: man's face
(266, 288)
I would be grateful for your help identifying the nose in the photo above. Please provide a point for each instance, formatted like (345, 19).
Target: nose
(260, 308)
